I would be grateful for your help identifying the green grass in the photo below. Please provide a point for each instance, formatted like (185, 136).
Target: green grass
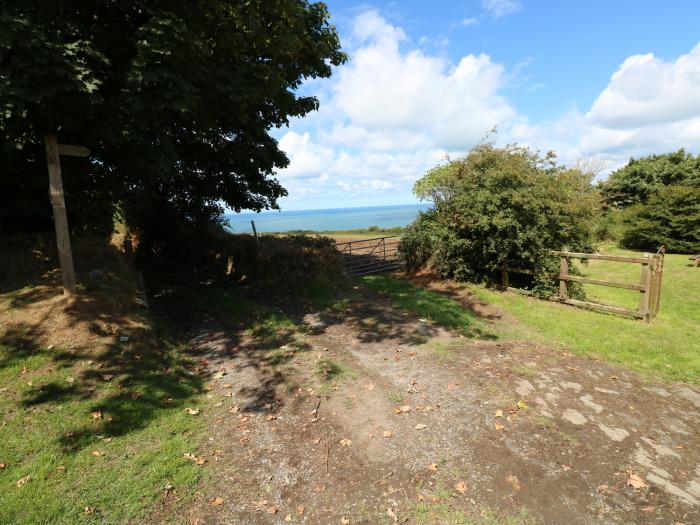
(667, 348)
(429, 305)
(47, 431)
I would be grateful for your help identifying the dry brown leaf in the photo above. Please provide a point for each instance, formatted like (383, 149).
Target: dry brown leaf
(192, 411)
(392, 514)
(272, 510)
(344, 520)
(499, 427)
(499, 413)
(227, 385)
(369, 387)
(513, 481)
(461, 487)
(404, 409)
(635, 481)
(3, 465)
(23, 480)
(89, 510)
(420, 426)
(107, 377)
(96, 415)
(300, 509)
(288, 517)
(432, 466)
(270, 418)
(217, 501)
(98, 453)
(386, 434)
(345, 442)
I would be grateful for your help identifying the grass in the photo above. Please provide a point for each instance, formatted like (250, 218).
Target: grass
(665, 349)
(86, 467)
(332, 373)
(429, 305)
(445, 513)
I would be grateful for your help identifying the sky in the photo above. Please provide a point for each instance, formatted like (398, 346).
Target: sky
(595, 81)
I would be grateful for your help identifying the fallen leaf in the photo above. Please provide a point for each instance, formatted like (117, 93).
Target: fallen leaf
(227, 385)
(317, 441)
(386, 434)
(23, 480)
(369, 387)
(89, 510)
(217, 501)
(522, 405)
(272, 510)
(432, 466)
(420, 426)
(461, 487)
(392, 514)
(96, 415)
(270, 418)
(499, 413)
(344, 520)
(192, 411)
(635, 481)
(300, 509)
(98, 453)
(3, 465)
(513, 481)
(107, 377)
(234, 409)
(499, 427)
(345, 442)
(288, 517)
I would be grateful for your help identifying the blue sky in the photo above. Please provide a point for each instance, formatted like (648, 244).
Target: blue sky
(596, 81)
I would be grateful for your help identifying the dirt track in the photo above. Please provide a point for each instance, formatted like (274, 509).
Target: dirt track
(489, 431)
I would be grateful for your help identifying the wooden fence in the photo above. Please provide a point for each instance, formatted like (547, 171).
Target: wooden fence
(649, 285)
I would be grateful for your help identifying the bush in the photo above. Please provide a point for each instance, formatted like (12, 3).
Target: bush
(671, 217)
(496, 207)
(271, 261)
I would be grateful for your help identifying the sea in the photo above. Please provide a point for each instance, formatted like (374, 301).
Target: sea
(326, 220)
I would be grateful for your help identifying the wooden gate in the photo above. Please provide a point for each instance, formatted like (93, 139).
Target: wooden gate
(366, 256)
(649, 285)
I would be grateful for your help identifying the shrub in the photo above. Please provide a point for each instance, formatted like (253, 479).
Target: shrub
(496, 207)
(271, 261)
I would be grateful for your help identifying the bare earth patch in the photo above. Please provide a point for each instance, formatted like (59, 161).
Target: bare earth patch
(374, 416)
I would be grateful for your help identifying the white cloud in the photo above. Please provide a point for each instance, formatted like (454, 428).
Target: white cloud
(395, 110)
(500, 8)
(648, 90)
(466, 22)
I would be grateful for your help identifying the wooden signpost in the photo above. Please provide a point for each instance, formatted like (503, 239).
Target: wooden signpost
(65, 255)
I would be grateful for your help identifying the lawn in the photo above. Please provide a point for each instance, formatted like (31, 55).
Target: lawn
(668, 348)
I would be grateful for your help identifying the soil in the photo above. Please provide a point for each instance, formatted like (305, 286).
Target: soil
(372, 415)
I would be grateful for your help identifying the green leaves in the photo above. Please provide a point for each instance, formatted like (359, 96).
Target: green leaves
(499, 206)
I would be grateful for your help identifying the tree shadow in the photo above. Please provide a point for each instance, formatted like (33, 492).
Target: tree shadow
(127, 369)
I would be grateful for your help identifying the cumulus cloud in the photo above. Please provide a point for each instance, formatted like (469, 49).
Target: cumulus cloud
(395, 110)
(648, 90)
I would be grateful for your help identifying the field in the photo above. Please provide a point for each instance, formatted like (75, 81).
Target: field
(668, 347)
(236, 405)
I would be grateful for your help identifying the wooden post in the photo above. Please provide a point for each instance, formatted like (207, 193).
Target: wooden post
(255, 232)
(563, 273)
(504, 278)
(645, 281)
(65, 255)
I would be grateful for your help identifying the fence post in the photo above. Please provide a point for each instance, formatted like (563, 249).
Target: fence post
(255, 232)
(504, 278)
(645, 281)
(563, 273)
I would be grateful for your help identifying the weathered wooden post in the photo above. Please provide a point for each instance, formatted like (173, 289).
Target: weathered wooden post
(58, 202)
(255, 232)
(563, 274)
(645, 281)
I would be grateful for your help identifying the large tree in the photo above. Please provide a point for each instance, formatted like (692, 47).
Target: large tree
(176, 100)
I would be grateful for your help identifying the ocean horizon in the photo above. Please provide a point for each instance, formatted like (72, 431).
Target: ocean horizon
(333, 219)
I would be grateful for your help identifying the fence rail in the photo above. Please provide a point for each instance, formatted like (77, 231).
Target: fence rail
(367, 256)
(649, 285)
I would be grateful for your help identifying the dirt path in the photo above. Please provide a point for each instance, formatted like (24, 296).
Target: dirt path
(378, 417)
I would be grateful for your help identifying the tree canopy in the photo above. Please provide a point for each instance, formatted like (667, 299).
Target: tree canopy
(500, 206)
(640, 178)
(175, 100)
